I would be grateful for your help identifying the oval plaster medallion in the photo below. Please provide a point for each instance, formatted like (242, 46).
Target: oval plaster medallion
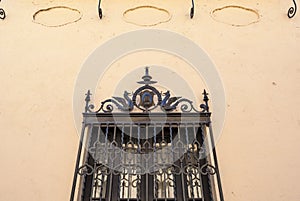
(56, 16)
(146, 15)
(235, 15)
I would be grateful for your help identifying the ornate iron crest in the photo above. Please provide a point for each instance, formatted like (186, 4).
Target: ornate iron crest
(146, 98)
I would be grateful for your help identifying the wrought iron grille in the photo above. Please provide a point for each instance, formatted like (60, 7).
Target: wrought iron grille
(146, 155)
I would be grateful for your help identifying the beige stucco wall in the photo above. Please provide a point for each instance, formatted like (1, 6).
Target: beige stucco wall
(259, 65)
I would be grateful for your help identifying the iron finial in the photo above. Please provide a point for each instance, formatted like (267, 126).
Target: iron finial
(147, 78)
(87, 100)
(206, 99)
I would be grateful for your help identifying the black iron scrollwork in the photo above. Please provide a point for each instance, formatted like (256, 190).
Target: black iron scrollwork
(2, 13)
(292, 10)
(170, 103)
(205, 169)
(208, 169)
(100, 9)
(123, 104)
(146, 98)
(192, 10)
(86, 169)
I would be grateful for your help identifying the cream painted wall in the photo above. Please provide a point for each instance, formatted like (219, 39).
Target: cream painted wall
(259, 65)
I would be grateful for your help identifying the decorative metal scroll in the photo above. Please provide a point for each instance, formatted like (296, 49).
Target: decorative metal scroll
(2, 13)
(163, 183)
(192, 10)
(147, 98)
(100, 9)
(292, 10)
(206, 169)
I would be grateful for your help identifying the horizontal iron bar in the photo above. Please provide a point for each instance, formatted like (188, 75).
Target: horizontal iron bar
(149, 118)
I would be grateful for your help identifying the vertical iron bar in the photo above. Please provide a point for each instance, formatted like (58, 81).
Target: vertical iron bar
(173, 159)
(190, 184)
(89, 179)
(123, 184)
(77, 161)
(198, 155)
(106, 143)
(216, 163)
(155, 161)
(118, 187)
(182, 178)
(115, 185)
(138, 187)
(108, 188)
(183, 181)
(147, 188)
(164, 188)
(94, 179)
(205, 180)
(95, 174)
(102, 183)
(129, 186)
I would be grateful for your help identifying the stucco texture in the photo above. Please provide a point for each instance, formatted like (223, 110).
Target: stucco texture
(258, 63)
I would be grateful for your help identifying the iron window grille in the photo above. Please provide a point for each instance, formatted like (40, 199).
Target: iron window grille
(126, 155)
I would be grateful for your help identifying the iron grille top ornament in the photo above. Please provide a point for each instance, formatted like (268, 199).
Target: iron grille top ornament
(146, 98)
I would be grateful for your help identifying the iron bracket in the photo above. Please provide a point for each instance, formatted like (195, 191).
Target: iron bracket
(2, 13)
(292, 10)
(192, 10)
(100, 9)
